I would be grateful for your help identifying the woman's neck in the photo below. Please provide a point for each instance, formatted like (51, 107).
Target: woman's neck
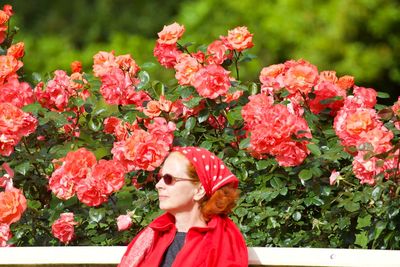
(186, 220)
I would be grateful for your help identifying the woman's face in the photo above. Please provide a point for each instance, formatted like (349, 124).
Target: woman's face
(179, 196)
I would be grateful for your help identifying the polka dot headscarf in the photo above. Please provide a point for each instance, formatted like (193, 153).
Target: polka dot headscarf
(212, 172)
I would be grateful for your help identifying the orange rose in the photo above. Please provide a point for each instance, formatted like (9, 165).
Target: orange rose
(16, 50)
(170, 34)
(152, 109)
(8, 66)
(239, 39)
(12, 205)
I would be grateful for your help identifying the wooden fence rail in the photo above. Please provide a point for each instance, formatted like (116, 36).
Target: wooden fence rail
(264, 256)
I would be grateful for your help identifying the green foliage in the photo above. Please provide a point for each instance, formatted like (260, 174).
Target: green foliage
(279, 206)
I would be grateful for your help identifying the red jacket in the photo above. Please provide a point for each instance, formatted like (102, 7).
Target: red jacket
(220, 243)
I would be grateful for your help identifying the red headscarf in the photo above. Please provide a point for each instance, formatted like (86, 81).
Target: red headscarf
(212, 172)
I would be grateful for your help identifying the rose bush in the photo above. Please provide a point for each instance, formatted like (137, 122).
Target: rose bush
(317, 157)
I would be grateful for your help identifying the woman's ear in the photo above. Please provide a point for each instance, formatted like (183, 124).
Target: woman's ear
(199, 194)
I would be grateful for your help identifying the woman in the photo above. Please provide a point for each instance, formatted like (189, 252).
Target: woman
(197, 191)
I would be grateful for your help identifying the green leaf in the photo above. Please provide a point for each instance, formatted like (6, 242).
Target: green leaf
(379, 227)
(234, 115)
(34, 204)
(190, 123)
(96, 215)
(253, 88)
(276, 183)
(305, 174)
(34, 108)
(206, 144)
(314, 149)
(245, 143)
(352, 206)
(23, 168)
(296, 216)
(383, 95)
(144, 78)
(36, 77)
(148, 65)
(240, 211)
(362, 239)
(376, 193)
(185, 91)
(364, 221)
(262, 164)
(194, 102)
(247, 57)
(203, 115)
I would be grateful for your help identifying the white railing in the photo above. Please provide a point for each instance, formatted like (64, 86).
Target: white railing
(257, 256)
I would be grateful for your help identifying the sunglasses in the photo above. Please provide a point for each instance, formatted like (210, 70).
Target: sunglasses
(170, 180)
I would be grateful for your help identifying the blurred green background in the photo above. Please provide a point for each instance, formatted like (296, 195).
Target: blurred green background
(354, 37)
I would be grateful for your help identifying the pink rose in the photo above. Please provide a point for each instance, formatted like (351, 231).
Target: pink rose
(124, 222)
(5, 234)
(63, 227)
(239, 39)
(212, 81)
(171, 34)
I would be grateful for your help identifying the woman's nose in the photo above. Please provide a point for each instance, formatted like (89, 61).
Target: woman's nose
(160, 184)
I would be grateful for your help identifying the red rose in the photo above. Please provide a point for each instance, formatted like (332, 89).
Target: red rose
(63, 227)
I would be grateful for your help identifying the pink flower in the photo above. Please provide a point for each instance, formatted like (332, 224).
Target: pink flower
(367, 96)
(141, 151)
(212, 81)
(334, 178)
(367, 169)
(76, 66)
(5, 234)
(290, 153)
(232, 97)
(239, 39)
(326, 91)
(396, 110)
(272, 132)
(166, 54)
(128, 64)
(6, 180)
(350, 123)
(124, 222)
(171, 34)
(14, 124)
(16, 50)
(57, 92)
(75, 167)
(112, 173)
(186, 69)
(152, 109)
(12, 205)
(271, 78)
(91, 191)
(8, 67)
(300, 76)
(253, 111)
(217, 52)
(63, 227)
(16, 93)
(345, 82)
(103, 62)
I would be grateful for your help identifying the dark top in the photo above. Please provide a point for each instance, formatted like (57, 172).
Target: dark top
(173, 249)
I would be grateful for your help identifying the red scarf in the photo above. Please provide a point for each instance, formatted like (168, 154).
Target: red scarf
(220, 243)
